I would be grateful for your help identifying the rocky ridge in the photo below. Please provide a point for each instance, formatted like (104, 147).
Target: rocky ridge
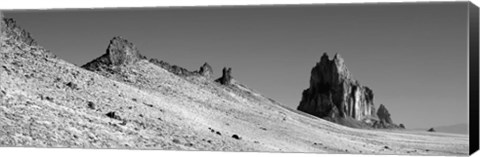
(11, 34)
(121, 52)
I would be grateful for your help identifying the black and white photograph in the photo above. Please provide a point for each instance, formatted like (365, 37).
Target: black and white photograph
(371, 79)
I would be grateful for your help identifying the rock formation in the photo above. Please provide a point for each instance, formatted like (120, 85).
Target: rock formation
(334, 93)
(14, 33)
(383, 114)
(177, 70)
(226, 76)
(119, 52)
(206, 70)
(384, 120)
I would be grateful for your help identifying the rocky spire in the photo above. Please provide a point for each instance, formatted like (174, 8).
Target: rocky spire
(206, 70)
(226, 76)
(119, 52)
(332, 87)
(383, 114)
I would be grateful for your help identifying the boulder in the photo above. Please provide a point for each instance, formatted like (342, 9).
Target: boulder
(333, 87)
(431, 130)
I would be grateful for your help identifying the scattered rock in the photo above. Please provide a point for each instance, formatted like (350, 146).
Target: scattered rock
(386, 147)
(91, 105)
(317, 143)
(2, 93)
(263, 128)
(113, 115)
(235, 136)
(49, 98)
(149, 105)
(218, 133)
(176, 141)
(72, 85)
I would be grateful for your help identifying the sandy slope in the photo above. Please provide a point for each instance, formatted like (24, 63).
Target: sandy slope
(47, 102)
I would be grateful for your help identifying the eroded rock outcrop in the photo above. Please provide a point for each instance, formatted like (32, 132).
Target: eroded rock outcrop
(226, 76)
(333, 93)
(206, 70)
(15, 34)
(119, 52)
(383, 114)
(384, 120)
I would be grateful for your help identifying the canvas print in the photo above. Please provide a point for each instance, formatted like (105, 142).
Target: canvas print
(386, 78)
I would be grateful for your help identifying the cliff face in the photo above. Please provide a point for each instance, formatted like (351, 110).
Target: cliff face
(334, 93)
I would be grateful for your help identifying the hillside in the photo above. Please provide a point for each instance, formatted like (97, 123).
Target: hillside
(136, 104)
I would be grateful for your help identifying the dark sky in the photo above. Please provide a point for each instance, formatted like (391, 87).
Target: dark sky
(413, 56)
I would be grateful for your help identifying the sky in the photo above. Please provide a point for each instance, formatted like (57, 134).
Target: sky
(412, 55)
